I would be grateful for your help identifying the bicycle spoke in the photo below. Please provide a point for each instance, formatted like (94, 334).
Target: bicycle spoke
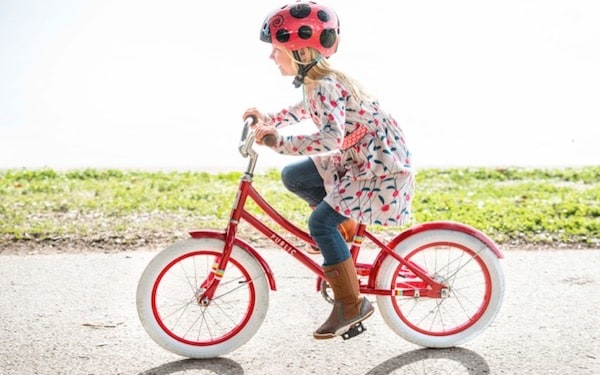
(467, 262)
(240, 285)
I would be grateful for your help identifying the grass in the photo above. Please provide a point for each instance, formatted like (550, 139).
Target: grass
(95, 208)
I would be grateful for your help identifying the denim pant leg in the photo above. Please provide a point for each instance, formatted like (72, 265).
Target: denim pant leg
(303, 179)
(323, 226)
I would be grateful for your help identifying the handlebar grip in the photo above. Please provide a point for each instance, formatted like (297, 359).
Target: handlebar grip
(269, 140)
(253, 118)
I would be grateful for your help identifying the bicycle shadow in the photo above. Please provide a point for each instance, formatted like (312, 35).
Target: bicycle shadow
(216, 365)
(435, 361)
(421, 361)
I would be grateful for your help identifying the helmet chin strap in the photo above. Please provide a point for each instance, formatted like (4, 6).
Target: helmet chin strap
(303, 69)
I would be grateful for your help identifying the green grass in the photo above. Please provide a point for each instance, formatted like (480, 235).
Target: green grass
(104, 208)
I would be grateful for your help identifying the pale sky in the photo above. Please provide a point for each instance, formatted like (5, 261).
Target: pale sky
(163, 84)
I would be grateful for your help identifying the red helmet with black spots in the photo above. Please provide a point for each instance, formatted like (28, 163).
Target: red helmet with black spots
(303, 24)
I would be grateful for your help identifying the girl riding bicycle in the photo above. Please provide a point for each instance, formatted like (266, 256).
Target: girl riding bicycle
(358, 167)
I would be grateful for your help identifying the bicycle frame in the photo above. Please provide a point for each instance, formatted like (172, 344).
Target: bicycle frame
(427, 287)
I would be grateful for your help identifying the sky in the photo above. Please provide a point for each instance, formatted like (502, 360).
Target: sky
(163, 84)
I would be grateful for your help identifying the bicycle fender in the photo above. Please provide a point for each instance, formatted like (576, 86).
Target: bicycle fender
(448, 225)
(220, 235)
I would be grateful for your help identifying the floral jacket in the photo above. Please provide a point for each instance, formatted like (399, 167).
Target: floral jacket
(359, 150)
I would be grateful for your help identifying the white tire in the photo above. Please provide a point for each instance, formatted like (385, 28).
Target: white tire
(169, 310)
(476, 289)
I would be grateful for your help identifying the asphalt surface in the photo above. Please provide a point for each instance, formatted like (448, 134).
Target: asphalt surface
(76, 314)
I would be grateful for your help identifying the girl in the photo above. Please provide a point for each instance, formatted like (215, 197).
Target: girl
(358, 167)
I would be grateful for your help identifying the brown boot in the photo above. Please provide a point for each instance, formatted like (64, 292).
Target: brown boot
(349, 307)
(347, 228)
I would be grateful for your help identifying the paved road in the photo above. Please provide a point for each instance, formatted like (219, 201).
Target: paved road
(75, 314)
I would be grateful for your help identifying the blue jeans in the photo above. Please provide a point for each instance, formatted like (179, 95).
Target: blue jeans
(302, 178)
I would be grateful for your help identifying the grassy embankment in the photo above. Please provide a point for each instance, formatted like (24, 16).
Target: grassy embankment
(115, 209)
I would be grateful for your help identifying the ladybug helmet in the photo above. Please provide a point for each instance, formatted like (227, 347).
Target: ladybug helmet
(302, 24)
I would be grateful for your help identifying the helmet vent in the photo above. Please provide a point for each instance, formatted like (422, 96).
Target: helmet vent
(305, 32)
(328, 38)
(300, 11)
(282, 35)
(323, 16)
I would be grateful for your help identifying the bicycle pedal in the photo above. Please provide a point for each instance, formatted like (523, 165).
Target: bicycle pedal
(355, 330)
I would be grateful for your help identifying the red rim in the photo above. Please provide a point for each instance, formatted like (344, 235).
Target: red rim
(213, 340)
(472, 317)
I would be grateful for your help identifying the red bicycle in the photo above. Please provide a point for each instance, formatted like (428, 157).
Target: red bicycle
(437, 284)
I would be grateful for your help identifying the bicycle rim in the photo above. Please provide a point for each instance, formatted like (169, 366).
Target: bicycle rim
(174, 300)
(468, 280)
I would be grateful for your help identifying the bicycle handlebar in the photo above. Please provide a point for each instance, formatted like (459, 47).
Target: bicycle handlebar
(270, 140)
(247, 138)
(246, 142)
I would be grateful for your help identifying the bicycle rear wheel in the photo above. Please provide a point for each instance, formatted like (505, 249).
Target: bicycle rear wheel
(168, 307)
(466, 265)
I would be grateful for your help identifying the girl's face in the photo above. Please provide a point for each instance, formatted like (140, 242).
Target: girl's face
(284, 62)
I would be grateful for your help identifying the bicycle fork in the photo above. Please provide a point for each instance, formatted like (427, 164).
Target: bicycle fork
(208, 287)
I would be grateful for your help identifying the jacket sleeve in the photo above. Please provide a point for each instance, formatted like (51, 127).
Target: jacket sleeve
(327, 106)
(288, 116)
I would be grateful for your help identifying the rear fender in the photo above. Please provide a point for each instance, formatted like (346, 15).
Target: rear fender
(220, 235)
(445, 225)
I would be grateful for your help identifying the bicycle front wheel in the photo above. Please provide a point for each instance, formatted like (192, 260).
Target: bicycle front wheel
(475, 283)
(168, 306)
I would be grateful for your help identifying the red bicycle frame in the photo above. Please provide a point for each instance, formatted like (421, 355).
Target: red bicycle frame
(427, 286)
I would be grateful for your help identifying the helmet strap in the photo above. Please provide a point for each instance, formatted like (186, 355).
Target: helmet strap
(303, 69)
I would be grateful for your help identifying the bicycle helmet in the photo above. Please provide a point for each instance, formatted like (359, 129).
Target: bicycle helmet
(302, 24)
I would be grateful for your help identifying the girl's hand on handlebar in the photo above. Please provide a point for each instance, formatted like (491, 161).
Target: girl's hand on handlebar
(262, 131)
(260, 117)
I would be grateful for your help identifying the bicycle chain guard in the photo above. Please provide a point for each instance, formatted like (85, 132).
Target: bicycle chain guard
(355, 330)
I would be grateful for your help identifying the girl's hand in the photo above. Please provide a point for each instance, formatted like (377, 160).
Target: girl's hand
(261, 131)
(260, 117)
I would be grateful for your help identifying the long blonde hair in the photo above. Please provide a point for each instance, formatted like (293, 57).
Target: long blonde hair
(323, 68)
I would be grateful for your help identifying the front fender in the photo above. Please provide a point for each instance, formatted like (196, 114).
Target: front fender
(220, 235)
